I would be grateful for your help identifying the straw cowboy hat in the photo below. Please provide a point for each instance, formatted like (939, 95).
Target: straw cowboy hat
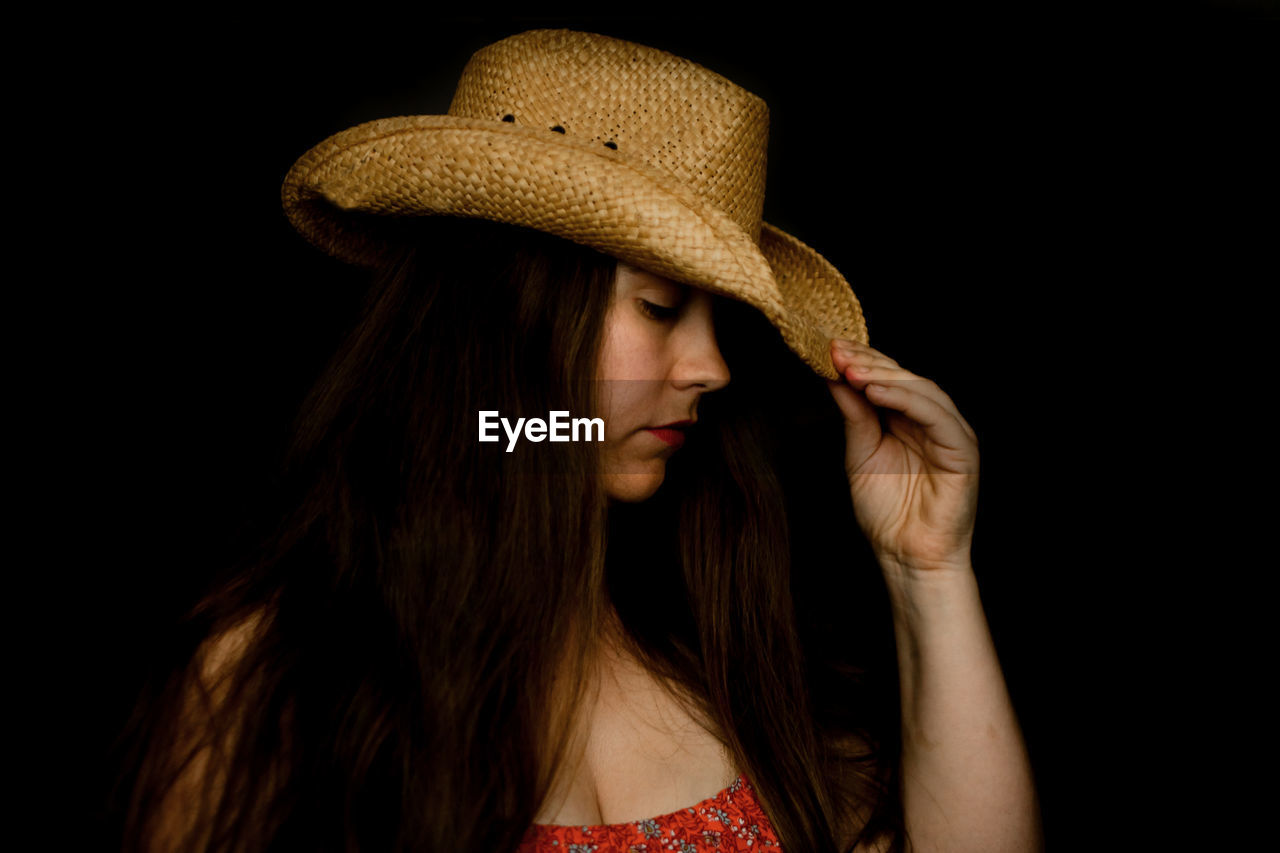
(627, 149)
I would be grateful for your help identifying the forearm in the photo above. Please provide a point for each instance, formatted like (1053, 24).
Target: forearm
(967, 781)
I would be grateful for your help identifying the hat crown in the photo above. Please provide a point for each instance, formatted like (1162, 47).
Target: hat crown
(638, 103)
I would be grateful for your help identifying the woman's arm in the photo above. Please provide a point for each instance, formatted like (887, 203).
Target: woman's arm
(967, 782)
(912, 464)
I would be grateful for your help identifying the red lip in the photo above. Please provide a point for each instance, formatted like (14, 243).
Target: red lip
(672, 433)
(673, 437)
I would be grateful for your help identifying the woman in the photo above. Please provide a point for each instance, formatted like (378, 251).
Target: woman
(468, 635)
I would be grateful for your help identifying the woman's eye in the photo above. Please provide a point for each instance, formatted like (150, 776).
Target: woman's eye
(657, 312)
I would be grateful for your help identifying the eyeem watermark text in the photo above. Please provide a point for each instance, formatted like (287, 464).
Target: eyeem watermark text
(536, 429)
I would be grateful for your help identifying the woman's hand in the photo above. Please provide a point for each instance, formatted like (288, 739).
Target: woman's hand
(914, 478)
(966, 779)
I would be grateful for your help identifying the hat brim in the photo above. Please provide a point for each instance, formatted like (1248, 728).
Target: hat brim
(415, 166)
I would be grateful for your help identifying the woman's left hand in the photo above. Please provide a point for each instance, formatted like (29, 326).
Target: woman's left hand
(914, 478)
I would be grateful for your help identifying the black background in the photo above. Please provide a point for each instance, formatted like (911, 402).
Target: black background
(1036, 212)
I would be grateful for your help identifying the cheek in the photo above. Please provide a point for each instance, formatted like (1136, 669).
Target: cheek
(623, 407)
(623, 394)
(631, 349)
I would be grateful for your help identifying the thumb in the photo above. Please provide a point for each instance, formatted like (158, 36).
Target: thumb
(861, 423)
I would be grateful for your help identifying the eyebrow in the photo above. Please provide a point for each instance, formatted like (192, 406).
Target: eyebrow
(661, 280)
(679, 290)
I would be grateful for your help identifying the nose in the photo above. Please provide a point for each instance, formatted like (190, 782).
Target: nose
(700, 360)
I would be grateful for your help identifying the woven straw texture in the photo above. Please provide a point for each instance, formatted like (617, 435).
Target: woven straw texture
(629, 150)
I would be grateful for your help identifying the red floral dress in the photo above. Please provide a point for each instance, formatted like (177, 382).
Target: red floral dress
(732, 820)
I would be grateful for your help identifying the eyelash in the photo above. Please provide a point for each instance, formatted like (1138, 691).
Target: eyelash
(657, 312)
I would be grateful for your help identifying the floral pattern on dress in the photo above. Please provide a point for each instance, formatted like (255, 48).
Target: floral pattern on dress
(732, 821)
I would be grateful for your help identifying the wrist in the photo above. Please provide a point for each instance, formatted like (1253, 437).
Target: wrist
(898, 566)
(919, 587)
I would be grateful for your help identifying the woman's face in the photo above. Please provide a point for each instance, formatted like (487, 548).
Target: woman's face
(659, 357)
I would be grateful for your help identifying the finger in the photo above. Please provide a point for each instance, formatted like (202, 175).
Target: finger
(861, 422)
(861, 372)
(853, 349)
(860, 375)
(940, 426)
(862, 364)
(870, 364)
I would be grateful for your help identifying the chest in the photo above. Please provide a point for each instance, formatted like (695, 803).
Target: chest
(637, 752)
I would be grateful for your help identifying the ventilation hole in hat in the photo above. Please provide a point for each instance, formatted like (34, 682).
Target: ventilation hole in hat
(508, 117)
(612, 145)
(558, 129)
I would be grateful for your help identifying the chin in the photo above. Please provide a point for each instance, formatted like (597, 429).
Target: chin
(633, 488)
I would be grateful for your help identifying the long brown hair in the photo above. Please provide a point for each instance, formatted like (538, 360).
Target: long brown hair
(424, 593)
